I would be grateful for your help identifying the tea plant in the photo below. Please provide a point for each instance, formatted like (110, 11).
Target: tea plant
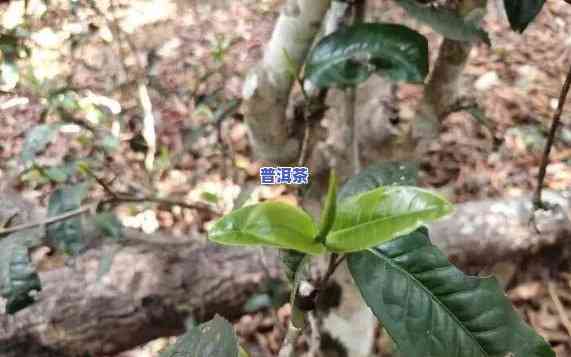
(427, 305)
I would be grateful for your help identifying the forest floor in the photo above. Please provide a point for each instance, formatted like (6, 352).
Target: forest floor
(197, 53)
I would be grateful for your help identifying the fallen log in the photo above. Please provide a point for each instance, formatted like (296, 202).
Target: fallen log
(156, 282)
(486, 232)
(150, 290)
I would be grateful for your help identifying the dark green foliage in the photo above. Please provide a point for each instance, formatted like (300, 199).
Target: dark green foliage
(215, 338)
(9, 44)
(447, 22)
(522, 12)
(109, 225)
(350, 55)
(66, 235)
(292, 261)
(430, 308)
(18, 277)
(37, 139)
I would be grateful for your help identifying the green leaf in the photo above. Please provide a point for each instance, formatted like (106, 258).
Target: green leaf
(61, 173)
(430, 308)
(108, 224)
(9, 45)
(292, 260)
(291, 66)
(66, 235)
(37, 139)
(56, 174)
(272, 224)
(243, 352)
(370, 218)
(110, 143)
(522, 12)
(328, 213)
(446, 21)
(215, 338)
(209, 197)
(18, 277)
(64, 98)
(350, 55)
(387, 173)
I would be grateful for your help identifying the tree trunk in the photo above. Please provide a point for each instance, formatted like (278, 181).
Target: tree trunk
(155, 283)
(443, 88)
(267, 88)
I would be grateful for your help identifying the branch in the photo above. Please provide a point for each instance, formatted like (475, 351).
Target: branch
(165, 201)
(359, 7)
(353, 136)
(58, 218)
(442, 89)
(288, 346)
(537, 202)
(267, 88)
(334, 262)
(116, 199)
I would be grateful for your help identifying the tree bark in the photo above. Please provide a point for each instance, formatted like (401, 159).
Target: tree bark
(153, 286)
(443, 87)
(483, 233)
(267, 88)
(156, 283)
(441, 90)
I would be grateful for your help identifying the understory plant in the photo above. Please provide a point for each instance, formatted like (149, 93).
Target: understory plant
(377, 222)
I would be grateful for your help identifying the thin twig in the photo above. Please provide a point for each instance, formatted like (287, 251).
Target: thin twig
(288, 346)
(334, 262)
(315, 107)
(119, 198)
(459, 105)
(559, 306)
(353, 137)
(305, 144)
(50, 220)
(359, 7)
(315, 336)
(537, 200)
(101, 183)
